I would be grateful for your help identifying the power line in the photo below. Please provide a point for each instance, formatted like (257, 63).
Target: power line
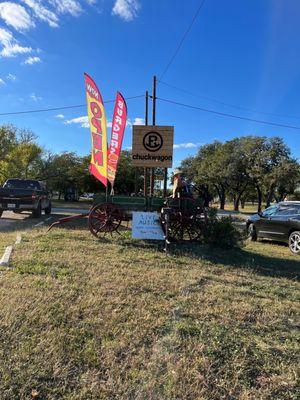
(61, 108)
(229, 115)
(183, 39)
(228, 104)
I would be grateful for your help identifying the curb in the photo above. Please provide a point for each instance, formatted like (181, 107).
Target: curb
(18, 240)
(4, 262)
(40, 223)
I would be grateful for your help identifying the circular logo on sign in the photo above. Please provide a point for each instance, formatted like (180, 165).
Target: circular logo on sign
(153, 141)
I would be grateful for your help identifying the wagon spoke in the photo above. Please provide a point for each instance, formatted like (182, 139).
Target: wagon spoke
(105, 218)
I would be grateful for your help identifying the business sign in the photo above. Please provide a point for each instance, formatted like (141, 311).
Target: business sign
(152, 146)
(146, 225)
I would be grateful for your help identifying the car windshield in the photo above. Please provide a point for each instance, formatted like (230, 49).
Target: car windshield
(270, 211)
(21, 184)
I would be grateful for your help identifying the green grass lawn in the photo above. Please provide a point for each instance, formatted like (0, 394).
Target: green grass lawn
(6, 240)
(248, 209)
(118, 319)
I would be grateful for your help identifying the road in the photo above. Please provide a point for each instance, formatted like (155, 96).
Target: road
(11, 221)
(233, 214)
(9, 218)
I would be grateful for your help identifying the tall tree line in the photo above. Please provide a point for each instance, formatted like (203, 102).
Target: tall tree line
(242, 169)
(22, 157)
(245, 168)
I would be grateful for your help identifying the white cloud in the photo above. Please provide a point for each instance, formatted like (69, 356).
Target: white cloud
(6, 37)
(10, 46)
(188, 145)
(83, 121)
(136, 121)
(35, 98)
(14, 50)
(11, 77)
(72, 7)
(60, 116)
(25, 16)
(16, 16)
(2, 82)
(32, 60)
(42, 12)
(126, 9)
(139, 121)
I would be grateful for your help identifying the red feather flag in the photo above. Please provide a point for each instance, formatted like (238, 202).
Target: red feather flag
(117, 134)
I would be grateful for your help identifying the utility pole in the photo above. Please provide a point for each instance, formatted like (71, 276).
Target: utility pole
(154, 101)
(153, 123)
(165, 182)
(146, 123)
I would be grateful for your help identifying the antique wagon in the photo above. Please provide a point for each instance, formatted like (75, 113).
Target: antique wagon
(182, 218)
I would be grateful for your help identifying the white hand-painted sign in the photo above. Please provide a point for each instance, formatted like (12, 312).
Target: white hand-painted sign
(146, 225)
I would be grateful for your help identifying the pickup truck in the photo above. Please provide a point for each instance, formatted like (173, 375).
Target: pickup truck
(19, 195)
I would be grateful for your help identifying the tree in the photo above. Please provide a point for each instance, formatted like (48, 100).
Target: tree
(286, 177)
(19, 153)
(22, 161)
(235, 167)
(62, 170)
(240, 165)
(195, 170)
(8, 140)
(125, 177)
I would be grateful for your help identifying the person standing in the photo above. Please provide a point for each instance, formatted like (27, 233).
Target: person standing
(179, 185)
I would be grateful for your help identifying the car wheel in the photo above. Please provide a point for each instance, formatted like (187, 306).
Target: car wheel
(294, 242)
(48, 209)
(252, 235)
(38, 212)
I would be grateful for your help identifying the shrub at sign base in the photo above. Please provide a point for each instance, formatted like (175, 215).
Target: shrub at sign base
(221, 231)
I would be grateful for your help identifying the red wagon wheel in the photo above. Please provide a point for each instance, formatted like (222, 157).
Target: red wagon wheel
(185, 227)
(105, 218)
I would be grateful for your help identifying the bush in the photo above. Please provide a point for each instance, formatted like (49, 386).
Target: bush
(220, 231)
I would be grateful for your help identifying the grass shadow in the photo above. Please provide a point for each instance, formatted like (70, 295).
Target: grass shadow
(242, 258)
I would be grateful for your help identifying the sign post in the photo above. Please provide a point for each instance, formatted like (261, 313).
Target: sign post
(152, 178)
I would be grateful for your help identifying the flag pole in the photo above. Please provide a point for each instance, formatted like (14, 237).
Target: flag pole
(106, 189)
(146, 123)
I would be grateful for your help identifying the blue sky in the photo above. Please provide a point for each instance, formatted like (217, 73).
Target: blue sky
(240, 52)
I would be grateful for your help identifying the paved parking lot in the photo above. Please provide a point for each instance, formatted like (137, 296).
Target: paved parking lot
(9, 218)
(10, 221)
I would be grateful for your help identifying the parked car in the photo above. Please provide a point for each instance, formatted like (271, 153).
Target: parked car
(280, 222)
(19, 195)
(87, 196)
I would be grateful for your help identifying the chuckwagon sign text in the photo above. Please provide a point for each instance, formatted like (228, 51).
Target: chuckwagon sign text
(152, 146)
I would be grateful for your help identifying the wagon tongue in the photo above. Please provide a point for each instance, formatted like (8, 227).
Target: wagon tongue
(67, 219)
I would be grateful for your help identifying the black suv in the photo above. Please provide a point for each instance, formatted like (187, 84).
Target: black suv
(279, 222)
